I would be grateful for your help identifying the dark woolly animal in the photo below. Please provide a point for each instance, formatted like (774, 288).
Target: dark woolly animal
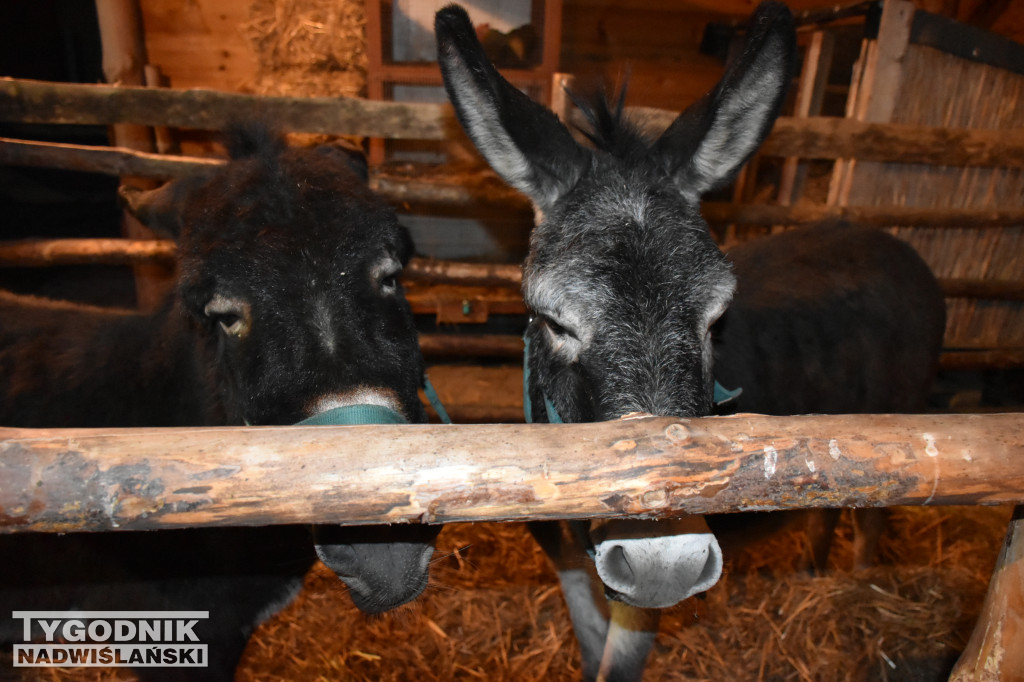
(625, 285)
(287, 304)
(831, 320)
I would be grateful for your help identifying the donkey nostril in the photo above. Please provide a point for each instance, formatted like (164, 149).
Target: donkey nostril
(619, 574)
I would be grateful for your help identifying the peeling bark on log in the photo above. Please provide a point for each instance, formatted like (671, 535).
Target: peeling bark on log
(76, 479)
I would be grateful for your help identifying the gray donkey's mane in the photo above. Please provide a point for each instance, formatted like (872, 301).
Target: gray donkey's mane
(609, 129)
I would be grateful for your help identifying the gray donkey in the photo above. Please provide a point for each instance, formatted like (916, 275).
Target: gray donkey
(626, 288)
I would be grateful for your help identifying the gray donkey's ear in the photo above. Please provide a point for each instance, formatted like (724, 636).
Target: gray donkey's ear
(708, 143)
(521, 140)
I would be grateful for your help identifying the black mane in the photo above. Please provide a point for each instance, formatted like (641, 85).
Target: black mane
(609, 129)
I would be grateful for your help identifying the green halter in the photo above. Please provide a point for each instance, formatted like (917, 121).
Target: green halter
(351, 415)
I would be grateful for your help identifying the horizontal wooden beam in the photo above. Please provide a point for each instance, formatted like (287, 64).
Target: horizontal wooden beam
(978, 359)
(36, 253)
(51, 252)
(438, 186)
(825, 137)
(74, 479)
(983, 288)
(108, 160)
(871, 216)
(832, 137)
(813, 137)
(508, 275)
(471, 345)
(29, 101)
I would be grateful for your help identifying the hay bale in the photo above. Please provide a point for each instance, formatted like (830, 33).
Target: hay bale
(313, 48)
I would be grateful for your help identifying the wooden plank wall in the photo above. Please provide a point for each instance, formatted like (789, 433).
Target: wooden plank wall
(203, 43)
(199, 43)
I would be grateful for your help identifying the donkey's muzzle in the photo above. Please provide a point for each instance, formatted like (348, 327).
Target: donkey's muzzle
(383, 566)
(656, 564)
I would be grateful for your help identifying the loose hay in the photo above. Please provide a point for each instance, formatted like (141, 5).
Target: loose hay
(493, 611)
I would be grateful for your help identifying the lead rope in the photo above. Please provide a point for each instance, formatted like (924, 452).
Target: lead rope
(435, 402)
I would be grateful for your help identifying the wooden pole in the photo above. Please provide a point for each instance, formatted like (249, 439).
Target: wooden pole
(124, 59)
(43, 102)
(821, 137)
(49, 252)
(809, 99)
(78, 479)
(52, 252)
(869, 216)
(109, 160)
(460, 189)
(993, 651)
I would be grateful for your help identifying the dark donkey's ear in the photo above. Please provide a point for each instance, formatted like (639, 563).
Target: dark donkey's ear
(160, 209)
(521, 140)
(708, 143)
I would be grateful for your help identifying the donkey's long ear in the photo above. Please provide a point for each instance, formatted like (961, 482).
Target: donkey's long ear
(160, 209)
(524, 142)
(708, 143)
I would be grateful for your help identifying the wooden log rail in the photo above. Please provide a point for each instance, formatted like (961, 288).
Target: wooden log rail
(439, 187)
(75, 479)
(814, 137)
(53, 252)
(30, 101)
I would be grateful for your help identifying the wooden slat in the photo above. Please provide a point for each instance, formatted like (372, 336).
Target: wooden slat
(30, 101)
(813, 137)
(993, 651)
(79, 479)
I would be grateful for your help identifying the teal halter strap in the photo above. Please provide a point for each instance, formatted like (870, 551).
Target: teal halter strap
(722, 395)
(352, 415)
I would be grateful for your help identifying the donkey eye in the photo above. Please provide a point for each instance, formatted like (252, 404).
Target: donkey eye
(556, 329)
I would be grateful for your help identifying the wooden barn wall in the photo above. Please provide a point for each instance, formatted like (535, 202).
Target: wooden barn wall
(200, 43)
(206, 43)
(938, 89)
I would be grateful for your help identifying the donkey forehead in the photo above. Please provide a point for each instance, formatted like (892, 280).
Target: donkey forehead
(624, 236)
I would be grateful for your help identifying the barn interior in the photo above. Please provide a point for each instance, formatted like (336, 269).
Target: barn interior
(493, 608)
